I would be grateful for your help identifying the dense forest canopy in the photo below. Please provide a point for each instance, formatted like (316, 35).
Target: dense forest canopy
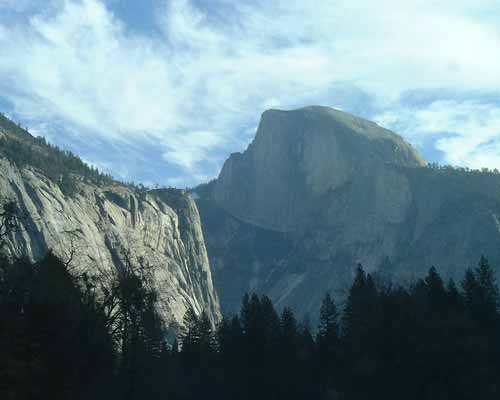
(65, 335)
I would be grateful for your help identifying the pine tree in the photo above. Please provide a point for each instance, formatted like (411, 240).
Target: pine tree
(488, 286)
(269, 321)
(288, 330)
(470, 288)
(436, 292)
(229, 338)
(190, 334)
(454, 298)
(328, 344)
(328, 329)
(355, 314)
(250, 308)
(207, 342)
(481, 294)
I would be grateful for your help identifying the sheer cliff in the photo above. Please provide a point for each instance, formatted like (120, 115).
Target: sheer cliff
(103, 224)
(319, 191)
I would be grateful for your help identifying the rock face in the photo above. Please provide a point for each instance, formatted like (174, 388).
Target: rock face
(114, 224)
(319, 191)
(299, 156)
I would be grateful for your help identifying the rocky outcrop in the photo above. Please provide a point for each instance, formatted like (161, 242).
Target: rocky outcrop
(319, 191)
(108, 226)
(300, 156)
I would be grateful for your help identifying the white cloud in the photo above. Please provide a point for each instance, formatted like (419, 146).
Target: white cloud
(194, 88)
(190, 147)
(472, 128)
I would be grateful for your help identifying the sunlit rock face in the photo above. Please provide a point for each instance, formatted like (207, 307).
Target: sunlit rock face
(107, 227)
(319, 190)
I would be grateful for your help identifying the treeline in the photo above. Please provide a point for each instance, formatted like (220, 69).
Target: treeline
(61, 166)
(70, 335)
(429, 341)
(451, 168)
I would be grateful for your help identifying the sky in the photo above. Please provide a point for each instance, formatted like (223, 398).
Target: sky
(162, 91)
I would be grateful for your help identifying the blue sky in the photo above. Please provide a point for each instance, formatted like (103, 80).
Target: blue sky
(162, 91)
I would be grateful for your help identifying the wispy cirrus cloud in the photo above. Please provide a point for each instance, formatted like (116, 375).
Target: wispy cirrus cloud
(179, 97)
(467, 132)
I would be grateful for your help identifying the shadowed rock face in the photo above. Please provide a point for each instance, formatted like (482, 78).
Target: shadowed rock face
(110, 226)
(299, 156)
(320, 190)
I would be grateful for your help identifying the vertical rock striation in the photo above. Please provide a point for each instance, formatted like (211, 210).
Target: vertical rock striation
(320, 190)
(108, 226)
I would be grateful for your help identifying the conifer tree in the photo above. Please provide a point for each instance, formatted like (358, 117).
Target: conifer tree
(269, 321)
(488, 286)
(328, 343)
(190, 334)
(288, 330)
(454, 297)
(470, 288)
(481, 293)
(436, 292)
(207, 341)
(328, 329)
(355, 312)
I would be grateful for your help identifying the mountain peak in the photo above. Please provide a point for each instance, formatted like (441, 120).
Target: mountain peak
(319, 191)
(299, 155)
(337, 121)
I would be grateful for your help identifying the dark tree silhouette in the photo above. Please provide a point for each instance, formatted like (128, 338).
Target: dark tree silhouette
(65, 335)
(11, 219)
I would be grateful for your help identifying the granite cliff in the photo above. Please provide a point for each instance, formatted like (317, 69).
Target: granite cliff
(319, 191)
(106, 224)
